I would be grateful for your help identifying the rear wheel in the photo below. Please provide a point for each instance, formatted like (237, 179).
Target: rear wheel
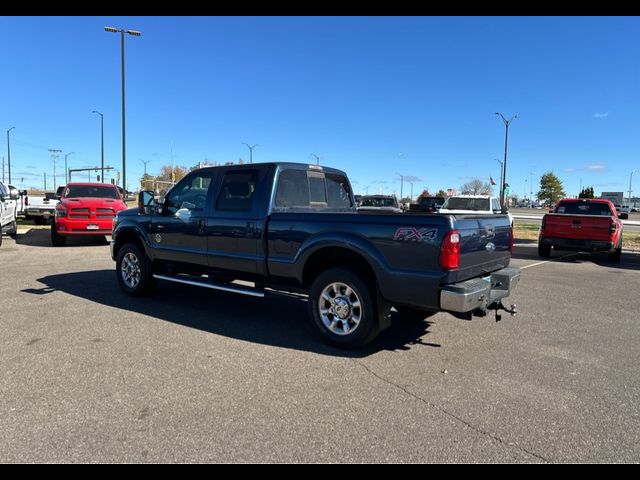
(57, 240)
(343, 308)
(133, 271)
(614, 257)
(544, 250)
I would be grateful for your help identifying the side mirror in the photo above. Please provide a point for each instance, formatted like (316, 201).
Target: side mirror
(624, 216)
(14, 194)
(146, 202)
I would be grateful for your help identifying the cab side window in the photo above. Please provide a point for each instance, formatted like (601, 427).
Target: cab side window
(237, 191)
(190, 193)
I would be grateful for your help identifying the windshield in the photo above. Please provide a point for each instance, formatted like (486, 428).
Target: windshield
(378, 202)
(430, 202)
(90, 191)
(458, 203)
(584, 208)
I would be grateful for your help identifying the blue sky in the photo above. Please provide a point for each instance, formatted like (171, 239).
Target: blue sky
(355, 91)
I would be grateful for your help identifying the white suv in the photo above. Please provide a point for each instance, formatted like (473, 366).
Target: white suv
(8, 207)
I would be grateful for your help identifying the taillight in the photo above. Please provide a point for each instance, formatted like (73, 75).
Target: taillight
(26, 201)
(544, 220)
(450, 250)
(612, 227)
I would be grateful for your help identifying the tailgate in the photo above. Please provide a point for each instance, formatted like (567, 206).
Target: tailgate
(578, 227)
(485, 244)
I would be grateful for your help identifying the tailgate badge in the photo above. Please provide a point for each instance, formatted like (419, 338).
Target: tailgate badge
(490, 247)
(158, 237)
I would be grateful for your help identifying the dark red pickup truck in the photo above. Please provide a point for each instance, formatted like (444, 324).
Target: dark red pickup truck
(583, 225)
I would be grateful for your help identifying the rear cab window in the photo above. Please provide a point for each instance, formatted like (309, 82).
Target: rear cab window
(311, 189)
(584, 208)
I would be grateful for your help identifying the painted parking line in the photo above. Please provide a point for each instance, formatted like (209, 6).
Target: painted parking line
(552, 260)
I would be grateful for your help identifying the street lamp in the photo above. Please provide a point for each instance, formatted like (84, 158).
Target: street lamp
(630, 178)
(135, 33)
(66, 169)
(101, 144)
(501, 184)
(9, 153)
(401, 184)
(531, 187)
(145, 165)
(317, 158)
(250, 147)
(504, 167)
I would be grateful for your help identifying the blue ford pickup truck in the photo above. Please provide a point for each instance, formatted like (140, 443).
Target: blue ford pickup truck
(249, 229)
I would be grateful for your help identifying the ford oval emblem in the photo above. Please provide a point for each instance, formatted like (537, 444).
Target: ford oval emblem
(490, 247)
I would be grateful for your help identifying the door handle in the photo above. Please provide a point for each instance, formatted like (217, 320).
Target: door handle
(159, 227)
(251, 229)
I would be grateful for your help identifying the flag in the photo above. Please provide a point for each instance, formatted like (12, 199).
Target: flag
(493, 182)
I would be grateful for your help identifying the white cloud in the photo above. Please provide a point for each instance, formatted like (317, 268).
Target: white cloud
(600, 115)
(596, 167)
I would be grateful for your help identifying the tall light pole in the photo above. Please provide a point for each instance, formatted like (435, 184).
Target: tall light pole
(135, 33)
(101, 144)
(628, 200)
(317, 158)
(9, 153)
(531, 187)
(145, 165)
(66, 169)
(501, 184)
(250, 147)
(401, 184)
(504, 166)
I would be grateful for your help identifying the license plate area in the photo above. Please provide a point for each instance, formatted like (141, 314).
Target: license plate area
(92, 226)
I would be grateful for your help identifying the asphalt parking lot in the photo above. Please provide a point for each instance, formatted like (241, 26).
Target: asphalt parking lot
(188, 375)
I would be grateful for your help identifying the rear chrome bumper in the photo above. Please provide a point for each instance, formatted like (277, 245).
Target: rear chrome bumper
(479, 293)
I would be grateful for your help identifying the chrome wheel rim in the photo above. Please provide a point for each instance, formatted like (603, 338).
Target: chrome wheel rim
(340, 308)
(130, 270)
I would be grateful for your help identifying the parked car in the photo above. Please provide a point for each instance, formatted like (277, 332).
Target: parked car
(85, 209)
(8, 207)
(293, 227)
(427, 205)
(379, 204)
(591, 225)
(473, 204)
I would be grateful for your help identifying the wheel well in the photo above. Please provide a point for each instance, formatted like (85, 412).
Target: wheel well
(331, 257)
(127, 237)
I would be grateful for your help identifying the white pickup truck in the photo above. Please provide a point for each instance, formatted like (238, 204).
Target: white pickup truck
(472, 205)
(42, 208)
(8, 207)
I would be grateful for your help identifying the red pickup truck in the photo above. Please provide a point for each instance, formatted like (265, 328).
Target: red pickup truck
(85, 209)
(583, 225)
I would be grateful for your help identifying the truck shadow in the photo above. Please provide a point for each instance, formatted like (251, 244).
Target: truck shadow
(277, 320)
(42, 238)
(628, 261)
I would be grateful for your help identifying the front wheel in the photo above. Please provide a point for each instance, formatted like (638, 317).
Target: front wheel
(614, 257)
(57, 240)
(133, 271)
(343, 308)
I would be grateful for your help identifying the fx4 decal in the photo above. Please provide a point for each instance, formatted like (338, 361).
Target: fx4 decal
(411, 234)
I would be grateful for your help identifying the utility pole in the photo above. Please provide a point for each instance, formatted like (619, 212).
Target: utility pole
(2, 169)
(504, 167)
(501, 184)
(45, 181)
(54, 158)
(66, 168)
(9, 153)
(531, 187)
(250, 147)
(135, 33)
(630, 178)
(101, 144)
(401, 184)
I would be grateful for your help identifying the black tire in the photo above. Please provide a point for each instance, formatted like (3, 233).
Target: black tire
(57, 240)
(413, 314)
(13, 231)
(360, 324)
(614, 257)
(133, 271)
(0, 236)
(544, 250)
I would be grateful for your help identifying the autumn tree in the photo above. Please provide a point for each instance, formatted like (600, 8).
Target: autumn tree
(476, 187)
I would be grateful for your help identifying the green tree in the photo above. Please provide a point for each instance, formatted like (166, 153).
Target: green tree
(441, 193)
(551, 188)
(587, 192)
